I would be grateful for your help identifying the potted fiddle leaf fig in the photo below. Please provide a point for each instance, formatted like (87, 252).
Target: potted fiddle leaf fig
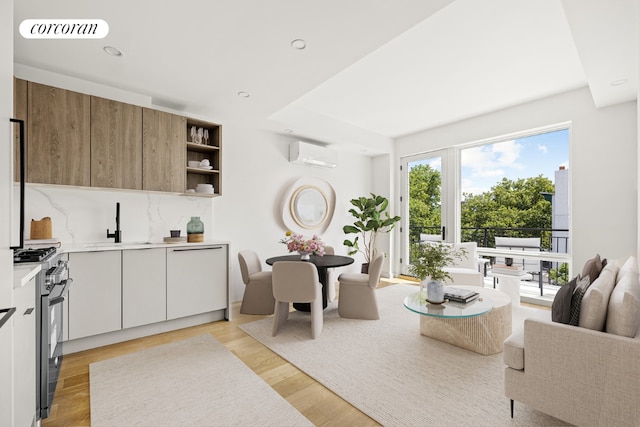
(428, 261)
(372, 217)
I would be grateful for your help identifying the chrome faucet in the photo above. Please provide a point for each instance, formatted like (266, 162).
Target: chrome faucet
(118, 233)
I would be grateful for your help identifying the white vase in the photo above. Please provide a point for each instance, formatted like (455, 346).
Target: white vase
(435, 291)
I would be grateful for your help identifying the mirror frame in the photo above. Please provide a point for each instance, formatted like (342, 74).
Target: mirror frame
(294, 207)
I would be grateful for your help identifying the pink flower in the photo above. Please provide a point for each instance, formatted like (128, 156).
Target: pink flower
(297, 242)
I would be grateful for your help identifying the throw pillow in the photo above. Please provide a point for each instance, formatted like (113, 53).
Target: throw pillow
(592, 268)
(630, 266)
(593, 310)
(576, 299)
(623, 315)
(561, 307)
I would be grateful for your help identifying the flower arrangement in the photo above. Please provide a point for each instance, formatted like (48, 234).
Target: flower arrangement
(297, 242)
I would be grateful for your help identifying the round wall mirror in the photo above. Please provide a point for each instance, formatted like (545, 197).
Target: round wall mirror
(309, 207)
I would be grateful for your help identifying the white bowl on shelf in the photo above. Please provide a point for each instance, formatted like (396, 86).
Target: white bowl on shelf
(205, 190)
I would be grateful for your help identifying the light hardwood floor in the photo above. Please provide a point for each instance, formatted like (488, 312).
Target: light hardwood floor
(319, 404)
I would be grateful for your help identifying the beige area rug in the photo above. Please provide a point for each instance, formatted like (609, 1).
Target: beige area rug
(398, 377)
(193, 382)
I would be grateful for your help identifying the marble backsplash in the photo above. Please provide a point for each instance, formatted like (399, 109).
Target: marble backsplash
(83, 215)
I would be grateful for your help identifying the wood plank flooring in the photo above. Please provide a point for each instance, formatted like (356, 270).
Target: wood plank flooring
(71, 406)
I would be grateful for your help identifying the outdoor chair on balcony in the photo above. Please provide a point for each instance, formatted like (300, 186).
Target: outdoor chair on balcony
(520, 244)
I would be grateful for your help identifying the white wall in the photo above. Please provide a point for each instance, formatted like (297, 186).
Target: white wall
(256, 174)
(603, 164)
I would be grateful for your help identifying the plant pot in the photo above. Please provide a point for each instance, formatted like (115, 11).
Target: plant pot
(365, 268)
(435, 291)
(304, 255)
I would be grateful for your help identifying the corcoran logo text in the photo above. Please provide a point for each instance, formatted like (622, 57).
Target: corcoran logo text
(64, 28)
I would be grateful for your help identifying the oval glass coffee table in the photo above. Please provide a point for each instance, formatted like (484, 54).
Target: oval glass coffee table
(481, 325)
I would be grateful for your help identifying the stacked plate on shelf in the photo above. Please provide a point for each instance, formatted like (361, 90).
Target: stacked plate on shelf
(204, 188)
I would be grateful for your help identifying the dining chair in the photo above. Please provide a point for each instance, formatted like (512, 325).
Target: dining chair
(258, 291)
(295, 281)
(331, 276)
(357, 299)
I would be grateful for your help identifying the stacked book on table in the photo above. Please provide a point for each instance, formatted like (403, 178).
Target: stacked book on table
(459, 294)
(512, 270)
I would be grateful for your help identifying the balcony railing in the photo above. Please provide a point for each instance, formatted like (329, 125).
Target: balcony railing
(553, 270)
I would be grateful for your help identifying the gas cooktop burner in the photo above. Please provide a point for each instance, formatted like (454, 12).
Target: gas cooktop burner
(32, 255)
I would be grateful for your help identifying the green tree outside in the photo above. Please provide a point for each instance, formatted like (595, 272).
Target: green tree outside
(509, 204)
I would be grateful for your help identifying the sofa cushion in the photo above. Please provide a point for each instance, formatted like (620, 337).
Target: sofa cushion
(630, 265)
(593, 311)
(623, 315)
(576, 299)
(513, 353)
(561, 306)
(592, 268)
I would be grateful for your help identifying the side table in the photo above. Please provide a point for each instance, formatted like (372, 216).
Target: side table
(510, 284)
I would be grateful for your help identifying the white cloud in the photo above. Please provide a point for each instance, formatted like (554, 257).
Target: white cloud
(492, 160)
(542, 148)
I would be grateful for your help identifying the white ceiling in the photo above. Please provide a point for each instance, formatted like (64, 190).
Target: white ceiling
(372, 70)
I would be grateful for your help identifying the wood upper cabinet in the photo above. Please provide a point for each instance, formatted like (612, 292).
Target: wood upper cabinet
(116, 144)
(88, 141)
(59, 146)
(163, 154)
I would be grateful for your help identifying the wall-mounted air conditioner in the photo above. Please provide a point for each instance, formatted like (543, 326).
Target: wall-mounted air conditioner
(311, 154)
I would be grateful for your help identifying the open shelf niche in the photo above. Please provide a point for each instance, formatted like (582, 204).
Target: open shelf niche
(199, 151)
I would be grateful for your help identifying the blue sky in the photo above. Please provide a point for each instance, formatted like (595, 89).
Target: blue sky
(484, 166)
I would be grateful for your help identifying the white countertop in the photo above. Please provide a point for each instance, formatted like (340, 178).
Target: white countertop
(111, 246)
(22, 273)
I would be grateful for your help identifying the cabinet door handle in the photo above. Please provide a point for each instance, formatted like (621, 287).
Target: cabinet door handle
(8, 313)
(28, 311)
(196, 249)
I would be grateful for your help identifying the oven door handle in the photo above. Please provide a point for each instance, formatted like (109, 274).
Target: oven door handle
(8, 313)
(58, 300)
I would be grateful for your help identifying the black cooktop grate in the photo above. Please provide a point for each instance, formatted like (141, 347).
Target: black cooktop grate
(32, 254)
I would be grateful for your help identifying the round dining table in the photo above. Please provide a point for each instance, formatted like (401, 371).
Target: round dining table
(322, 263)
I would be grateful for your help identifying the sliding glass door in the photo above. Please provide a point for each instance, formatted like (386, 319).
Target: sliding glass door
(425, 211)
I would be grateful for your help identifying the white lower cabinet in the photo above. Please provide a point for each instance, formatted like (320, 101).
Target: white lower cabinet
(114, 290)
(144, 287)
(196, 280)
(24, 336)
(95, 297)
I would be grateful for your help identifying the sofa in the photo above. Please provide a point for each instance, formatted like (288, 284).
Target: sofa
(580, 362)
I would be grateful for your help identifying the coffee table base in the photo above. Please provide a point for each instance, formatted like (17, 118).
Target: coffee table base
(484, 334)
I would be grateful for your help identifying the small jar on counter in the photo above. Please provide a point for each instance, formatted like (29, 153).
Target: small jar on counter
(195, 230)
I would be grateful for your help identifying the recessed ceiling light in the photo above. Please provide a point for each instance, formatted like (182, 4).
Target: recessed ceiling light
(243, 94)
(619, 82)
(112, 51)
(299, 44)
(288, 130)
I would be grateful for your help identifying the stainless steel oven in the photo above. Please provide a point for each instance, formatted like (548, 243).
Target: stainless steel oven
(52, 287)
(53, 291)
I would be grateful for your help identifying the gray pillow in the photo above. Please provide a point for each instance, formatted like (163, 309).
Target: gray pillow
(576, 299)
(592, 268)
(593, 310)
(561, 307)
